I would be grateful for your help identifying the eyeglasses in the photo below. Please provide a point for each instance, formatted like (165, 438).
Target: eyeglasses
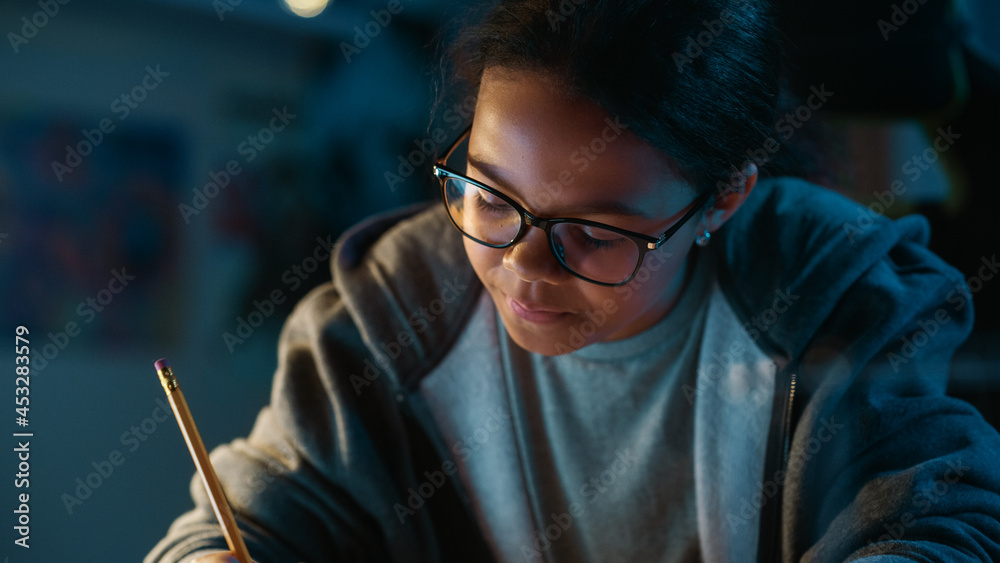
(595, 252)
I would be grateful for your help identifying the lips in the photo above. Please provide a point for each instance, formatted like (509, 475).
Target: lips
(533, 313)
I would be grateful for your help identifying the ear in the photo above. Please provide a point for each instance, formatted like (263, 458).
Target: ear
(727, 202)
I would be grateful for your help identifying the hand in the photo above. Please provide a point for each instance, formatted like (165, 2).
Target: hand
(217, 557)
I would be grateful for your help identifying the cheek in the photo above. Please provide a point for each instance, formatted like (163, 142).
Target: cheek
(482, 258)
(643, 301)
(646, 288)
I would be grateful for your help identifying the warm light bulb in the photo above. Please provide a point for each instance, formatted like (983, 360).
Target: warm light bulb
(306, 8)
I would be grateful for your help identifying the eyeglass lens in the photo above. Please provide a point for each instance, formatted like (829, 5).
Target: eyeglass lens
(592, 252)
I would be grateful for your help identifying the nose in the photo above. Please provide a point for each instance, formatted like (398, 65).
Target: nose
(532, 260)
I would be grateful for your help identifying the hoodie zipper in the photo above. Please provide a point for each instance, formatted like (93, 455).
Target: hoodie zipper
(769, 546)
(788, 420)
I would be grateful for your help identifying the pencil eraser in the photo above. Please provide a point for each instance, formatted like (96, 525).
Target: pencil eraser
(162, 363)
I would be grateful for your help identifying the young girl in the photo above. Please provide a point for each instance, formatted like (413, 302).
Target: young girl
(616, 340)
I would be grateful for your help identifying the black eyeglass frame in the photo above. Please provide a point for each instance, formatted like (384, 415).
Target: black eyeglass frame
(644, 243)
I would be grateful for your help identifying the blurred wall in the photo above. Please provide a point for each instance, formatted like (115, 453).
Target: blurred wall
(115, 248)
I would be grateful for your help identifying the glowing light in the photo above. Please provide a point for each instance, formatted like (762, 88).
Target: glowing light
(306, 8)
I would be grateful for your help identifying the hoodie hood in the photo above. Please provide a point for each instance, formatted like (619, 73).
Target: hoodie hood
(851, 279)
(418, 287)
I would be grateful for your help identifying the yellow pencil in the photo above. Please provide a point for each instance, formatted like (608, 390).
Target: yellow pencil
(201, 461)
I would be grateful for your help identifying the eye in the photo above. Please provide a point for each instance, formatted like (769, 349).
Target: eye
(599, 234)
(596, 237)
(490, 203)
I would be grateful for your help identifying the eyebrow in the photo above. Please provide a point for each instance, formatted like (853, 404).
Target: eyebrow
(603, 207)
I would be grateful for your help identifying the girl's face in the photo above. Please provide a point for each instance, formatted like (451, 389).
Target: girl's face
(562, 157)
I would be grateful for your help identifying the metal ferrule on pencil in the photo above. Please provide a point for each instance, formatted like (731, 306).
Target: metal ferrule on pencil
(167, 379)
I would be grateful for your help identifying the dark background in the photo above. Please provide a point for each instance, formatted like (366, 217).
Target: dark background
(195, 277)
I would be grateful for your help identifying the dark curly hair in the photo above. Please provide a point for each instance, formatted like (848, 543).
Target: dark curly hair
(701, 80)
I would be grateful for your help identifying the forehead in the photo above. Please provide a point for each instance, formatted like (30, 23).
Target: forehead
(546, 142)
